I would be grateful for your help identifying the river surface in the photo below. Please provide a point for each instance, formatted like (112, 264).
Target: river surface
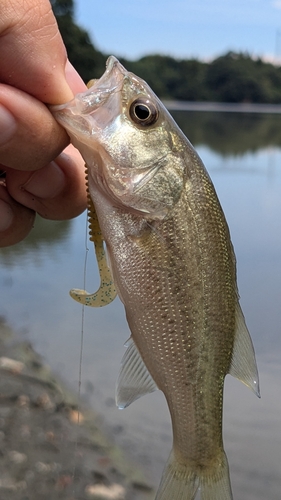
(242, 153)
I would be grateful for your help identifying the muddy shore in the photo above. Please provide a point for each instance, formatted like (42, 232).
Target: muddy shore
(51, 447)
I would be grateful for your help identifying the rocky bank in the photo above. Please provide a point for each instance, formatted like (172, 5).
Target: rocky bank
(51, 447)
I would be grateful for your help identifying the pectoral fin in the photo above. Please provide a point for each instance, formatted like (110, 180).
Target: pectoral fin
(243, 364)
(134, 380)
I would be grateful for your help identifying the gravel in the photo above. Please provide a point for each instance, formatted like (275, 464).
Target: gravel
(51, 448)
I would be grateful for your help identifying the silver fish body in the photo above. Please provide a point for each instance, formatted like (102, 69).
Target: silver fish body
(174, 269)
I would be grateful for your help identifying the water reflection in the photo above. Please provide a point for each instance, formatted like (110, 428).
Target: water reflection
(230, 133)
(243, 156)
(44, 237)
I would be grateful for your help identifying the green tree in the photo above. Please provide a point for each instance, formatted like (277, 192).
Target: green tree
(63, 8)
(171, 78)
(192, 83)
(239, 78)
(87, 60)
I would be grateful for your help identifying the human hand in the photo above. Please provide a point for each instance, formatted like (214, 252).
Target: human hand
(34, 71)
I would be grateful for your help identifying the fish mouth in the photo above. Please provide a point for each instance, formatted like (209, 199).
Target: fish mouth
(78, 115)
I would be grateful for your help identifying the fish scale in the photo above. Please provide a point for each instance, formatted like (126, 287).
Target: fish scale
(174, 269)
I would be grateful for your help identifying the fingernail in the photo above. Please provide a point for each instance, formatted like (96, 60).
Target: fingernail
(8, 125)
(46, 183)
(6, 216)
(73, 78)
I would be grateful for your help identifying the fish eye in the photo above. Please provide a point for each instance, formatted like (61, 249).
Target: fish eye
(143, 112)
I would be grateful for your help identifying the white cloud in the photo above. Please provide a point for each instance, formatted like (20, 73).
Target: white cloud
(276, 4)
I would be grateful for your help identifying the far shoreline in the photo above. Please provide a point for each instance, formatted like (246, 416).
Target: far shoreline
(222, 107)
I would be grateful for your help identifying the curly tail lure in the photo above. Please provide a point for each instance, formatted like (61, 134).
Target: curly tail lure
(106, 292)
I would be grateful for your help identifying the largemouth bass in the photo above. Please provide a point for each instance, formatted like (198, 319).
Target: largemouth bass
(174, 269)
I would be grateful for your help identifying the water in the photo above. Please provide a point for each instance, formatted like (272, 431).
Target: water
(243, 156)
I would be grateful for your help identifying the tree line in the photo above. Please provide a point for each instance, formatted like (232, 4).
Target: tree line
(232, 77)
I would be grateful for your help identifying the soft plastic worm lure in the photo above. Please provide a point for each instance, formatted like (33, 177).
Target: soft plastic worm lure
(106, 292)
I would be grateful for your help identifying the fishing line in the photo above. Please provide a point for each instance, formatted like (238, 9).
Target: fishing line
(83, 309)
(81, 345)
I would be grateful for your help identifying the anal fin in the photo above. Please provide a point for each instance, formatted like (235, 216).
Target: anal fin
(243, 364)
(134, 379)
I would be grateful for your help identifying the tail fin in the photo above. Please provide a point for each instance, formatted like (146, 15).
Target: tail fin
(180, 483)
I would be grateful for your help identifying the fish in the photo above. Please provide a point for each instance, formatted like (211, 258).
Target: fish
(173, 265)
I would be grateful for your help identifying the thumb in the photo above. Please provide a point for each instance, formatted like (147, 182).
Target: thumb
(32, 54)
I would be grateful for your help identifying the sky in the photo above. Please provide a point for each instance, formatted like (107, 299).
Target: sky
(203, 29)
